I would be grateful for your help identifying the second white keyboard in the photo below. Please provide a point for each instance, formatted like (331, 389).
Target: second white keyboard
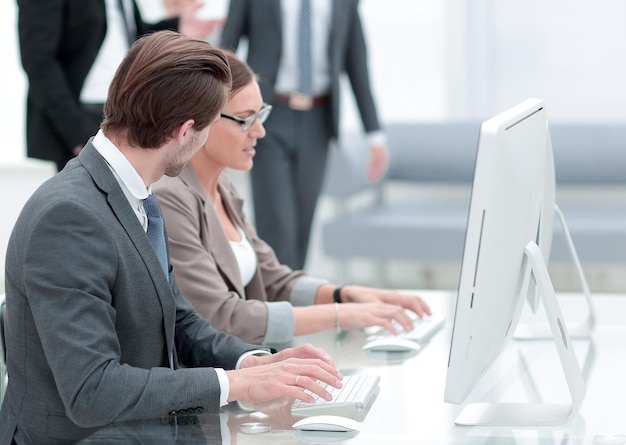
(423, 330)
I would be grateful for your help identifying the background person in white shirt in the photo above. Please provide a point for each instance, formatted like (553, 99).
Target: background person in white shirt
(291, 160)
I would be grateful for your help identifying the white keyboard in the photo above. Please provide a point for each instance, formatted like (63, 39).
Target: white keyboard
(423, 330)
(351, 400)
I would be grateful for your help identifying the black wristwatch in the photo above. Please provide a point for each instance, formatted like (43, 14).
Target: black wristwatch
(337, 294)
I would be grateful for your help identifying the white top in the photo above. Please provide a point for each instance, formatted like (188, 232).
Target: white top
(245, 256)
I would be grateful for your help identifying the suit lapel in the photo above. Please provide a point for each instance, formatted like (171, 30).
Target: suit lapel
(215, 240)
(99, 170)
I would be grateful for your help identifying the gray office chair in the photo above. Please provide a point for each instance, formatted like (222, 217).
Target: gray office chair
(3, 348)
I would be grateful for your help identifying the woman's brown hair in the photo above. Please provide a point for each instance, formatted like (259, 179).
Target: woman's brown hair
(242, 73)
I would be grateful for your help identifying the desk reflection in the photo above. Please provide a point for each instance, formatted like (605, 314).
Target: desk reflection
(409, 408)
(236, 424)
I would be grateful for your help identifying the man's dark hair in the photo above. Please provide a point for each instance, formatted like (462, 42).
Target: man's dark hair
(165, 79)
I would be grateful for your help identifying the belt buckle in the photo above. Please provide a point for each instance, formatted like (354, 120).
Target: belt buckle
(300, 102)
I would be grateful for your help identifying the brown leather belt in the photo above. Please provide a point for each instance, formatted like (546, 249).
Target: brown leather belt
(300, 102)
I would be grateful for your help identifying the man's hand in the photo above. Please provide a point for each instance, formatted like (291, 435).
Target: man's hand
(286, 373)
(173, 7)
(378, 164)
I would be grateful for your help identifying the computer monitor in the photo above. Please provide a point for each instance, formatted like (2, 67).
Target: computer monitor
(510, 215)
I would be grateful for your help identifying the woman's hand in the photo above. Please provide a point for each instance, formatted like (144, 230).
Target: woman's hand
(362, 315)
(362, 294)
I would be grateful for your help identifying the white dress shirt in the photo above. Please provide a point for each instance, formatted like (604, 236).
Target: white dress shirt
(287, 78)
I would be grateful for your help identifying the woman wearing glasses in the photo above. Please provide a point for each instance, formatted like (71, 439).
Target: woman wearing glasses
(231, 276)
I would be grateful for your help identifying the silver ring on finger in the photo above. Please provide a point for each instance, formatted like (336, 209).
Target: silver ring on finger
(297, 378)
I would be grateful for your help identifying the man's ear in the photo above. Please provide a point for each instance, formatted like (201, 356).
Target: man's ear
(182, 131)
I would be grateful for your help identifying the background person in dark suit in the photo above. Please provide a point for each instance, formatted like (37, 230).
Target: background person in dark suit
(290, 163)
(70, 50)
(97, 330)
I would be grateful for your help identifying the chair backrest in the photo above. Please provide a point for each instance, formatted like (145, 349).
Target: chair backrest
(418, 152)
(584, 154)
(589, 154)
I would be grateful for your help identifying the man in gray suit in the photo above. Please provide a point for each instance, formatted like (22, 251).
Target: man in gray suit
(97, 330)
(291, 160)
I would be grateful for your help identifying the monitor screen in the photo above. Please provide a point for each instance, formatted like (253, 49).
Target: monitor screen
(511, 208)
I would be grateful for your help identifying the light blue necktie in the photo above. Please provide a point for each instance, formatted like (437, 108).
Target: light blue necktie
(156, 235)
(305, 77)
(155, 232)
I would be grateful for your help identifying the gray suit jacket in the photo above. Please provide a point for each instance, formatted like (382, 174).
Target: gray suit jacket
(260, 22)
(92, 318)
(207, 270)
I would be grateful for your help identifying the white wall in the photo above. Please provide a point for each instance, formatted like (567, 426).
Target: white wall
(12, 88)
(565, 52)
(18, 180)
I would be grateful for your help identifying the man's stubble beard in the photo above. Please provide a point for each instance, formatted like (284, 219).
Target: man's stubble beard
(178, 162)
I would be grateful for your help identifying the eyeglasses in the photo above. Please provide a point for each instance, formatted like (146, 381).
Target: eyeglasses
(248, 122)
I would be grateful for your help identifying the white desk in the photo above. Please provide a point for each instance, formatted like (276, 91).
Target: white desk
(410, 407)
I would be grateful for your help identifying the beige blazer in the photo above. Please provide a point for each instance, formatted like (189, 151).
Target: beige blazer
(207, 271)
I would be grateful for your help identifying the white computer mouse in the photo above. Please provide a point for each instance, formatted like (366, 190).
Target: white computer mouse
(326, 423)
(391, 344)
